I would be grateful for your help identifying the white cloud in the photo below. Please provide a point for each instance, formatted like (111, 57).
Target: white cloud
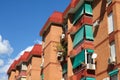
(29, 48)
(38, 41)
(5, 47)
(4, 68)
(3, 77)
(1, 62)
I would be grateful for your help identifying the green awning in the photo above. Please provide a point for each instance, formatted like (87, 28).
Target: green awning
(89, 32)
(88, 9)
(90, 50)
(79, 59)
(64, 68)
(79, 36)
(114, 72)
(78, 14)
(88, 78)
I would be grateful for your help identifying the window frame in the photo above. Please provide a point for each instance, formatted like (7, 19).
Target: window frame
(110, 22)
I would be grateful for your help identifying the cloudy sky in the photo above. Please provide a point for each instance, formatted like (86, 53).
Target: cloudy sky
(20, 23)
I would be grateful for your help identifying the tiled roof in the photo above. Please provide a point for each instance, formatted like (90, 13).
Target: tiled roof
(56, 17)
(37, 50)
(12, 67)
(23, 58)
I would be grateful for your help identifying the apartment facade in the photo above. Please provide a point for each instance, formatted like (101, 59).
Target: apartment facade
(90, 32)
(81, 43)
(27, 67)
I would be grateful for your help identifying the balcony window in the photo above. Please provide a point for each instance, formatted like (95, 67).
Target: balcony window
(110, 23)
(114, 74)
(81, 58)
(23, 66)
(85, 32)
(112, 50)
(86, 8)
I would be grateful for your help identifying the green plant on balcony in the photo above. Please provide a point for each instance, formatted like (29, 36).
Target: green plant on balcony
(61, 52)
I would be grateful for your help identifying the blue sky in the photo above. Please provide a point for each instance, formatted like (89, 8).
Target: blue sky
(20, 24)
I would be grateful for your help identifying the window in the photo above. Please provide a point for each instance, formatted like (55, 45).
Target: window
(85, 32)
(110, 23)
(109, 1)
(114, 77)
(86, 8)
(112, 49)
(114, 74)
(89, 58)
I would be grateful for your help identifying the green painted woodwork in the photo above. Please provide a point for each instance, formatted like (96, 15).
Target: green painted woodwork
(114, 72)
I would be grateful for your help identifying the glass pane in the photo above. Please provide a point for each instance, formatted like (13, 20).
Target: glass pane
(114, 77)
(112, 50)
(110, 23)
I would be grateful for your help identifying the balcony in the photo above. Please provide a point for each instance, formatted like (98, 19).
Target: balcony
(83, 45)
(84, 33)
(22, 74)
(84, 58)
(84, 20)
(86, 8)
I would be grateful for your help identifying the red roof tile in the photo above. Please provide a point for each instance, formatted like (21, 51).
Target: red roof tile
(12, 67)
(37, 50)
(56, 17)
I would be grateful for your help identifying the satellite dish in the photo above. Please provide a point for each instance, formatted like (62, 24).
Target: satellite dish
(94, 55)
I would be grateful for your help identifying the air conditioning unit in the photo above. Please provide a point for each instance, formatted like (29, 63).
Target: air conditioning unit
(91, 66)
(96, 23)
(107, 78)
(112, 60)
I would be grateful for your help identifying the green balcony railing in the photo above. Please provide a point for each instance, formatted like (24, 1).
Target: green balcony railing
(85, 32)
(86, 8)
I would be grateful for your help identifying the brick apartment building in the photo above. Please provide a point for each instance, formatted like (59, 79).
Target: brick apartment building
(27, 67)
(81, 43)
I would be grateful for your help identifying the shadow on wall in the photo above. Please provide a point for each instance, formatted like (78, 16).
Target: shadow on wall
(102, 12)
